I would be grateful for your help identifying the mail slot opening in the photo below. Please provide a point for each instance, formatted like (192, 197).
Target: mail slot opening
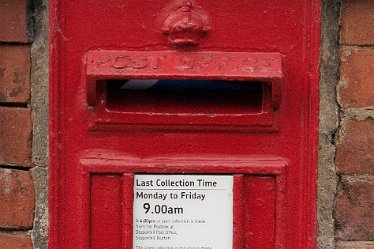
(196, 97)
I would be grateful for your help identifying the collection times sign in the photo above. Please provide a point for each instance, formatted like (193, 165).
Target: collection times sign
(183, 212)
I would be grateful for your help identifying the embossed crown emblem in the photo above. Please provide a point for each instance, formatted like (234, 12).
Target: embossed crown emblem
(186, 26)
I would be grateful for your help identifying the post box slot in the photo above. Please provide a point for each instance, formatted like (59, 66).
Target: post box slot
(183, 90)
(191, 103)
(190, 97)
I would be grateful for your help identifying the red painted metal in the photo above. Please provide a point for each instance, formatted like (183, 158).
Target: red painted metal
(98, 141)
(106, 211)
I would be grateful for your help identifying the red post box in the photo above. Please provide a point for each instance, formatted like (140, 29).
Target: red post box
(183, 124)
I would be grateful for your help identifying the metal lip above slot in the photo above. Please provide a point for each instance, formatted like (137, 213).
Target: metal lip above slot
(243, 68)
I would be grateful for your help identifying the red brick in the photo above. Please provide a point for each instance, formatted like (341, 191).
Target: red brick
(15, 136)
(357, 22)
(13, 24)
(355, 209)
(355, 245)
(17, 197)
(15, 66)
(10, 241)
(356, 87)
(355, 153)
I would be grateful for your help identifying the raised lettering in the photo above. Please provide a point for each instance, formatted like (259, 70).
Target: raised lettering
(121, 62)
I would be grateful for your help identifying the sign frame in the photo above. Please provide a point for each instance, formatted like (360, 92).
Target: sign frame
(266, 167)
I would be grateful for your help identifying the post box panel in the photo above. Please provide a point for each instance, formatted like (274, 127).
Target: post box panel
(106, 210)
(242, 199)
(183, 89)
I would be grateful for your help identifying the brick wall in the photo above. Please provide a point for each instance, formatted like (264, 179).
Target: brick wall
(354, 158)
(17, 195)
(354, 212)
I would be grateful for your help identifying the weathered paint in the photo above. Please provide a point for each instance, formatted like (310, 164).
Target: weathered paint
(271, 152)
